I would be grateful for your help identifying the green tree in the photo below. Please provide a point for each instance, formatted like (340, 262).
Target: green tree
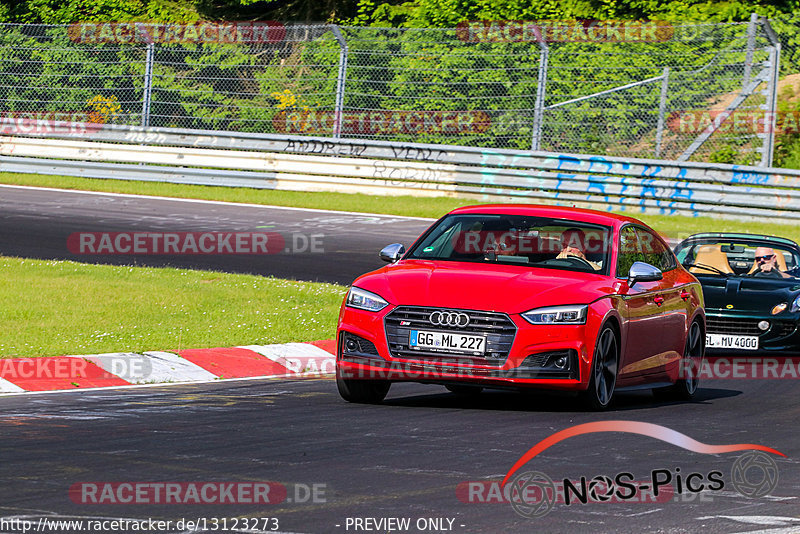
(448, 13)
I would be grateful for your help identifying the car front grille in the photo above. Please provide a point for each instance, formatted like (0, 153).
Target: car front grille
(498, 328)
(748, 327)
(786, 328)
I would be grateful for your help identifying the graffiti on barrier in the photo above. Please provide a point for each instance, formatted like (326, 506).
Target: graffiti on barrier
(325, 147)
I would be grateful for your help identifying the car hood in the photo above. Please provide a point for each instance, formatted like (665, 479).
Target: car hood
(492, 287)
(744, 294)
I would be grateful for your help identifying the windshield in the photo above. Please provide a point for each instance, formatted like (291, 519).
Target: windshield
(739, 257)
(520, 240)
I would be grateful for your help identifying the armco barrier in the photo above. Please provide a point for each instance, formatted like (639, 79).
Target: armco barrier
(379, 167)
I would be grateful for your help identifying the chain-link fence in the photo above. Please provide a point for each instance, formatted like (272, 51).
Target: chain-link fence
(658, 101)
(657, 92)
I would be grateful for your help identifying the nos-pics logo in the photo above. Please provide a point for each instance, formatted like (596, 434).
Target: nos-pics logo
(534, 494)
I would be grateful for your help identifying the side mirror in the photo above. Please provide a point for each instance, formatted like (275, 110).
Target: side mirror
(392, 253)
(643, 272)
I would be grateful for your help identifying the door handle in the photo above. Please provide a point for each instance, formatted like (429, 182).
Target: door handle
(658, 300)
(685, 295)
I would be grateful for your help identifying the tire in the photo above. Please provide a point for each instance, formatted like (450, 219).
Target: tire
(688, 382)
(362, 391)
(605, 365)
(464, 390)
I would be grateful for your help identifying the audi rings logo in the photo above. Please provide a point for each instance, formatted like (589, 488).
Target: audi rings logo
(449, 318)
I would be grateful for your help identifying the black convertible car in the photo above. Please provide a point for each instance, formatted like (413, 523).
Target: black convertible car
(751, 285)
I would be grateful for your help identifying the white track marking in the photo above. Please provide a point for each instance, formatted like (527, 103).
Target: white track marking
(775, 498)
(766, 520)
(158, 369)
(289, 376)
(784, 530)
(214, 202)
(298, 357)
(9, 387)
(150, 367)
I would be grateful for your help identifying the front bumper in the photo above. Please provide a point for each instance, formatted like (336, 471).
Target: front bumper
(781, 338)
(370, 348)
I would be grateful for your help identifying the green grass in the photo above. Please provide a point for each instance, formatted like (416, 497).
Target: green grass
(671, 226)
(52, 308)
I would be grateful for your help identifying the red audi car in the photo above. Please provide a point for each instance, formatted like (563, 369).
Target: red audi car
(525, 296)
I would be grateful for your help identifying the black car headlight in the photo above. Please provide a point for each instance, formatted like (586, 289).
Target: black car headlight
(557, 315)
(796, 304)
(365, 300)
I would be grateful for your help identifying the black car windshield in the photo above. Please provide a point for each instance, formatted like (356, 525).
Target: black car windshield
(519, 240)
(739, 257)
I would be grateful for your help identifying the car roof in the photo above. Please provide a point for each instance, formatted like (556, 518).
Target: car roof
(556, 212)
(709, 236)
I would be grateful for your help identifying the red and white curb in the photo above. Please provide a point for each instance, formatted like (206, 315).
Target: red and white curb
(290, 360)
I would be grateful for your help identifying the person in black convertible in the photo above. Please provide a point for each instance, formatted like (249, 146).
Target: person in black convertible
(768, 263)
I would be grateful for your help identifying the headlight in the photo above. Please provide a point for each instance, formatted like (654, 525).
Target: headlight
(796, 304)
(364, 300)
(557, 315)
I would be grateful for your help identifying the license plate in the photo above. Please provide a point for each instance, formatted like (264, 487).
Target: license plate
(445, 341)
(724, 341)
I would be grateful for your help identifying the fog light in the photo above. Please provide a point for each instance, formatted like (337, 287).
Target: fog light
(763, 325)
(561, 362)
(351, 345)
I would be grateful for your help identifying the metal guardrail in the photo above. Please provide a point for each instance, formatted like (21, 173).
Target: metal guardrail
(635, 89)
(380, 167)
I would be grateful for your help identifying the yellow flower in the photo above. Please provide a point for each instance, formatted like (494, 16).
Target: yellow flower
(285, 99)
(103, 108)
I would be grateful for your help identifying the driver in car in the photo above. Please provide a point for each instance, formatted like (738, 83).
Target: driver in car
(573, 243)
(766, 263)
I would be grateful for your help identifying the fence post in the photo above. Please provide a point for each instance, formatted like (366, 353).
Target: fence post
(340, 81)
(541, 91)
(722, 117)
(771, 105)
(662, 109)
(148, 85)
(751, 43)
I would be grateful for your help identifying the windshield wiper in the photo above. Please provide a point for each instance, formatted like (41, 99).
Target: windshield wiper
(707, 267)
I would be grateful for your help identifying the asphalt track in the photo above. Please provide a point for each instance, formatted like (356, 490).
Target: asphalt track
(404, 459)
(36, 223)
